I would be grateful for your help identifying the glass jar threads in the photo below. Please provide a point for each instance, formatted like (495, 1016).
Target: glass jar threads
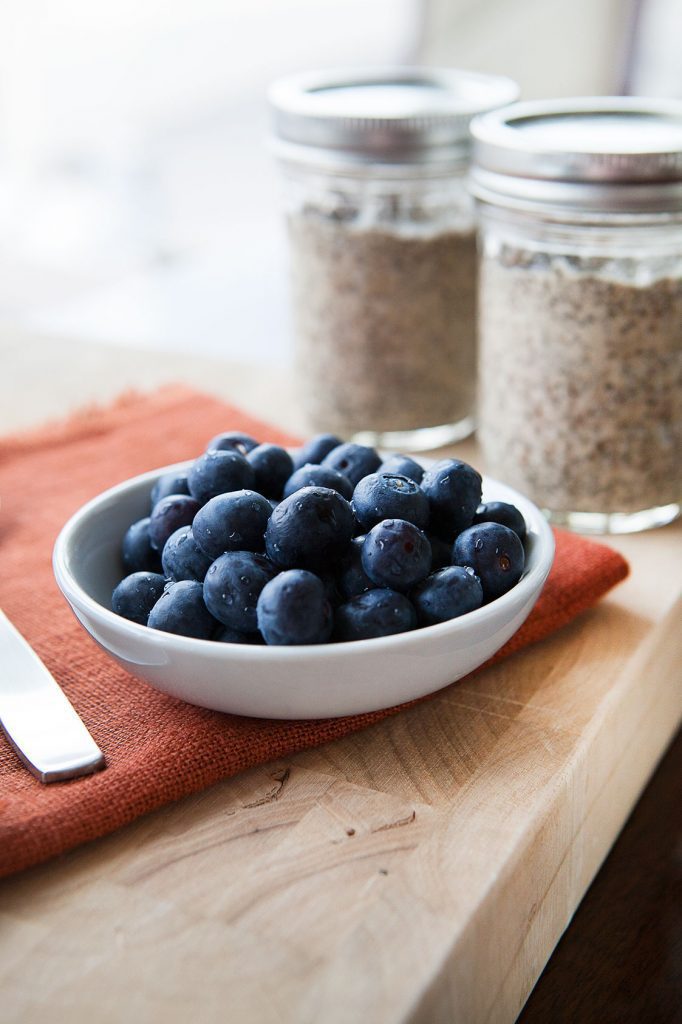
(383, 250)
(580, 307)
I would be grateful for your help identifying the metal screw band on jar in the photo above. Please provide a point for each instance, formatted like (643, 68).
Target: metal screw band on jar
(601, 155)
(403, 116)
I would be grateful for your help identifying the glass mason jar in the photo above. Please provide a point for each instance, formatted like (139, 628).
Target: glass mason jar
(580, 307)
(383, 249)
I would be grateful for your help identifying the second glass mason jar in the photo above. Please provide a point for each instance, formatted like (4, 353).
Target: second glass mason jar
(383, 249)
(580, 307)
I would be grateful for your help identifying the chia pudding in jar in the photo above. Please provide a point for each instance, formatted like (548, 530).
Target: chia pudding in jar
(383, 249)
(580, 308)
(385, 318)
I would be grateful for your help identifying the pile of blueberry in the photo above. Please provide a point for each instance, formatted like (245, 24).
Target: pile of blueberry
(253, 546)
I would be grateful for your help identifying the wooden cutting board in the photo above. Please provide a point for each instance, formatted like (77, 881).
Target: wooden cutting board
(422, 870)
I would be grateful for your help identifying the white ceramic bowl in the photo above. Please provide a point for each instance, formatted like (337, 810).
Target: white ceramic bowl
(320, 681)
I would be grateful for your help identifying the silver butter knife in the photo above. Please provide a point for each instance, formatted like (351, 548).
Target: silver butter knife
(37, 717)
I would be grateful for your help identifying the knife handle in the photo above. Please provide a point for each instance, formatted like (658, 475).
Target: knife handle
(37, 717)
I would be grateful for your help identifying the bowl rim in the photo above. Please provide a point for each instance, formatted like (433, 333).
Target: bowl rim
(529, 585)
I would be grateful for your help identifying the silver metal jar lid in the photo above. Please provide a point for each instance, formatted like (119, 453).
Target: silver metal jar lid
(398, 115)
(616, 155)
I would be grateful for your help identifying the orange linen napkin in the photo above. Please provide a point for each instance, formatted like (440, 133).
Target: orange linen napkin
(157, 749)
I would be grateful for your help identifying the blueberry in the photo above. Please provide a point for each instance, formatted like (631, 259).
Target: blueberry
(293, 609)
(309, 529)
(225, 635)
(316, 449)
(353, 579)
(331, 589)
(232, 522)
(446, 594)
(503, 513)
(389, 496)
(380, 612)
(181, 610)
(396, 554)
(454, 492)
(272, 467)
(217, 472)
(353, 460)
(182, 558)
(441, 552)
(232, 587)
(232, 441)
(137, 551)
(403, 465)
(312, 475)
(136, 595)
(496, 555)
(169, 483)
(168, 515)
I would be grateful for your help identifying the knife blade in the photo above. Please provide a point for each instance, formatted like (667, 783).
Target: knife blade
(37, 717)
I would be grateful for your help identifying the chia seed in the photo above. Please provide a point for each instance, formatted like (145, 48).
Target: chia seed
(581, 384)
(385, 325)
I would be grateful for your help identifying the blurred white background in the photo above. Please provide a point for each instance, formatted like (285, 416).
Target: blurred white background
(138, 199)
